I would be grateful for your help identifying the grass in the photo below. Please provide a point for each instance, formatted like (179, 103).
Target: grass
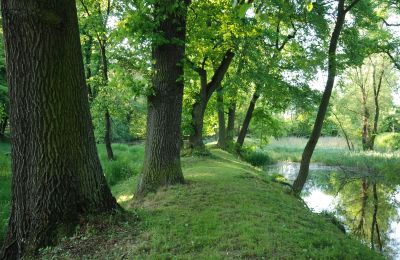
(127, 163)
(228, 209)
(5, 188)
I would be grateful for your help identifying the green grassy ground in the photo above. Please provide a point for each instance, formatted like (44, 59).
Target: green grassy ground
(227, 210)
(5, 188)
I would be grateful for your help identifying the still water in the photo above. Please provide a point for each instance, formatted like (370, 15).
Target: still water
(360, 200)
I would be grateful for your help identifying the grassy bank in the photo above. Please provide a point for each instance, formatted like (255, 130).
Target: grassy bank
(228, 210)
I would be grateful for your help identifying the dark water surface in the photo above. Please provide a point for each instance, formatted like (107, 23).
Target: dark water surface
(359, 199)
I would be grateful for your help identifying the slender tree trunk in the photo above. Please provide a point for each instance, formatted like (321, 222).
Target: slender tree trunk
(246, 122)
(3, 126)
(87, 50)
(316, 132)
(162, 165)
(221, 119)
(374, 216)
(56, 173)
(346, 136)
(230, 131)
(107, 117)
(107, 136)
(377, 90)
(364, 200)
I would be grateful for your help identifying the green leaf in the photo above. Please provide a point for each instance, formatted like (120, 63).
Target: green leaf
(310, 6)
(243, 10)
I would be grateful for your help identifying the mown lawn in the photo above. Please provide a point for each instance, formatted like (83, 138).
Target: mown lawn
(227, 209)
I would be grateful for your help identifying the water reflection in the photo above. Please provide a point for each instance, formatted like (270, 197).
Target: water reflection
(368, 206)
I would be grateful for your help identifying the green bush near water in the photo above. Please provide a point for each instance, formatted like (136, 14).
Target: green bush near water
(255, 157)
(5, 188)
(388, 141)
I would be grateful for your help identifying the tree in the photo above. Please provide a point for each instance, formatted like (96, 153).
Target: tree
(97, 23)
(162, 165)
(57, 177)
(312, 142)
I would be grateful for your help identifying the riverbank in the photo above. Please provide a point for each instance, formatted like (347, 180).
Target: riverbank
(228, 209)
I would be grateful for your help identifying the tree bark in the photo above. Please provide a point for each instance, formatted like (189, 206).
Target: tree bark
(206, 91)
(107, 136)
(162, 165)
(221, 119)
(246, 122)
(230, 131)
(316, 132)
(107, 117)
(56, 173)
(3, 126)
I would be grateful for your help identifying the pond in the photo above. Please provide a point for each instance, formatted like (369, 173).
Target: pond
(363, 201)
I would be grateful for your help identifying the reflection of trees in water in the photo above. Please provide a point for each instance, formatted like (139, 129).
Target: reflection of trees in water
(365, 205)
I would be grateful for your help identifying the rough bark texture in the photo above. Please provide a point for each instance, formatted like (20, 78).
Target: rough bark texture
(221, 119)
(57, 176)
(316, 132)
(246, 122)
(206, 91)
(162, 165)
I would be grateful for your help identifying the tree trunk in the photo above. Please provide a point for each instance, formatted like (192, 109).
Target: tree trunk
(316, 132)
(364, 200)
(3, 126)
(107, 117)
(107, 136)
(221, 119)
(246, 122)
(206, 91)
(374, 216)
(162, 165)
(230, 131)
(56, 173)
(87, 50)
(198, 111)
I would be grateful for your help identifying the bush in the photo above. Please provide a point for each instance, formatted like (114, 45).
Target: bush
(388, 141)
(255, 158)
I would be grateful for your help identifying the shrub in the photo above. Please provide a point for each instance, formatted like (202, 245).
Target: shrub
(255, 158)
(388, 141)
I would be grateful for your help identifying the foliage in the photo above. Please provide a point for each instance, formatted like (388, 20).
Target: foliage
(255, 157)
(388, 141)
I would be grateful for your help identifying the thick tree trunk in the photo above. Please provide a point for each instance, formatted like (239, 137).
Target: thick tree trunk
(316, 132)
(206, 91)
(221, 119)
(57, 176)
(230, 130)
(162, 165)
(246, 122)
